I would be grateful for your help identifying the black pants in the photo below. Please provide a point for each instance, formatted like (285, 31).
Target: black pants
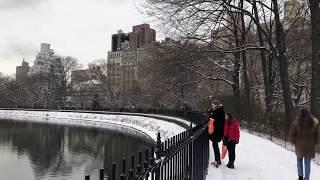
(216, 150)
(231, 146)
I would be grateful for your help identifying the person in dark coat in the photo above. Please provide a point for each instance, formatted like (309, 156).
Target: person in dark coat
(304, 134)
(231, 138)
(217, 113)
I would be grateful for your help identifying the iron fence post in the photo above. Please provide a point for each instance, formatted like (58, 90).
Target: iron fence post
(158, 152)
(114, 170)
(101, 176)
(124, 169)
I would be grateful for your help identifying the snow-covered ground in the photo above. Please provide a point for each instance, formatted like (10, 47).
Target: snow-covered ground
(259, 159)
(149, 126)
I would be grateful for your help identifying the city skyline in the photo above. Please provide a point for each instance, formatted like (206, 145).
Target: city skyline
(85, 36)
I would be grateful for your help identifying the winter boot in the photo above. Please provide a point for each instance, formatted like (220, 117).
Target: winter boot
(230, 165)
(216, 163)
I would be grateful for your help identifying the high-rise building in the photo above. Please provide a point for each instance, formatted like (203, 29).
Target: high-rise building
(118, 39)
(46, 61)
(122, 61)
(21, 72)
(122, 68)
(140, 36)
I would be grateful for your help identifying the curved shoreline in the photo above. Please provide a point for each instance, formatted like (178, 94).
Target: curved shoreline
(143, 125)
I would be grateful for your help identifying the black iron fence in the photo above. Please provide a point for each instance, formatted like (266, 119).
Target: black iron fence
(182, 157)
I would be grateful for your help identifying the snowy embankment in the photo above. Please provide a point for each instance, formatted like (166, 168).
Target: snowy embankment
(259, 159)
(148, 125)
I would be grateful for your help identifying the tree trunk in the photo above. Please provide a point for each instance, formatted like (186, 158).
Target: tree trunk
(236, 85)
(236, 70)
(271, 79)
(283, 64)
(266, 78)
(245, 67)
(315, 84)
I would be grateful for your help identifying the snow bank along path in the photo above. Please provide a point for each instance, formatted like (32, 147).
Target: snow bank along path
(259, 159)
(138, 124)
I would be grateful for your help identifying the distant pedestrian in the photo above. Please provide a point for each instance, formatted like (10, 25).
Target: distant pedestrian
(217, 113)
(231, 138)
(304, 134)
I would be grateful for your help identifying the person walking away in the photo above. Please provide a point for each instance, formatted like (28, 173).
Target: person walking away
(304, 134)
(217, 113)
(231, 138)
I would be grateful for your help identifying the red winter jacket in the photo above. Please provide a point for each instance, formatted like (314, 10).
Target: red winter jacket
(232, 130)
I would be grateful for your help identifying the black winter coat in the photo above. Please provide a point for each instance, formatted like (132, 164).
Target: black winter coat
(219, 116)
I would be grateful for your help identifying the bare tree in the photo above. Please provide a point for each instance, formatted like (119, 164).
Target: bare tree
(45, 89)
(315, 24)
(196, 19)
(68, 64)
(112, 92)
(164, 75)
(97, 62)
(13, 94)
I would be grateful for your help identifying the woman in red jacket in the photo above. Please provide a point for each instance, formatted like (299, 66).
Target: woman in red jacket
(231, 137)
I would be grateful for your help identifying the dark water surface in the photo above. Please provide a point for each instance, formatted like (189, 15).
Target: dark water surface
(33, 151)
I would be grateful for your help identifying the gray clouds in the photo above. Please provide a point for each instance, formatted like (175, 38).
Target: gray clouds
(15, 48)
(78, 28)
(12, 51)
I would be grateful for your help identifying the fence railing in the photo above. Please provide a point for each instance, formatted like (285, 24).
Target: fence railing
(182, 157)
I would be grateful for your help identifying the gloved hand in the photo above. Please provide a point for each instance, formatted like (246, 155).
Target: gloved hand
(225, 140)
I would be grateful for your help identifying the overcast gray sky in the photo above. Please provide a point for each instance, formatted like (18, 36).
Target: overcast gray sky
(79, 28)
